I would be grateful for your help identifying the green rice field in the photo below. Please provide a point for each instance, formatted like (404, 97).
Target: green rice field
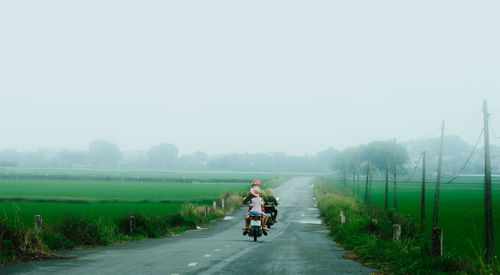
(111, 195)
(461, 210)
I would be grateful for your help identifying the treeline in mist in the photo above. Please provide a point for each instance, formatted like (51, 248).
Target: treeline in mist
(165, 156)
(455, 155)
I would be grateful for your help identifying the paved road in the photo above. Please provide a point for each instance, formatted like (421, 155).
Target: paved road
(297, 244)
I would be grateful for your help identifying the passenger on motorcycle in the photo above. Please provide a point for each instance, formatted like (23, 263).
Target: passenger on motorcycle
(270, 205)
(249, 196)
(256, 205)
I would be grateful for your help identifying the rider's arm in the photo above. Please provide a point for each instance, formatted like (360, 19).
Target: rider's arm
(247, 198)
(272, 199)
(264, 196)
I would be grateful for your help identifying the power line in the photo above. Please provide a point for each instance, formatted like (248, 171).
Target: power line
(468, 159)
(493, 132)
(415, 168)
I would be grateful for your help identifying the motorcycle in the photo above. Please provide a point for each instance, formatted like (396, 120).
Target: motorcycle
(272, 212)
(255, 229)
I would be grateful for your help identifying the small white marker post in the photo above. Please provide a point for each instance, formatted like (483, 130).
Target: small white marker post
(342, 217)
(222, 203)
(131, 224)
(38, 223)
(396, 232)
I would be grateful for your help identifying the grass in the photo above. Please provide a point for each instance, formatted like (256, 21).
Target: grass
(89, 211)
(24, 213)
(461, 212)
(368, 231)
(119, 190)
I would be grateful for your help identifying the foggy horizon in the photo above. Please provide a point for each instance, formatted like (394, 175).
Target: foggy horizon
(225, 77)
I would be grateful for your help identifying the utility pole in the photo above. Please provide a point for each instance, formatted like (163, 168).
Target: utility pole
(488, 210)
(345, 172)
(395, 179)
(438, 181)
(386, 205)
(422, 205)
(368, 172)
(358, 172)
(366, 184)
(370, 187)
(353, 170)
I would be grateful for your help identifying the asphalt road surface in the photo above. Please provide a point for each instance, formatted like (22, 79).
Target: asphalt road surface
(297, 244)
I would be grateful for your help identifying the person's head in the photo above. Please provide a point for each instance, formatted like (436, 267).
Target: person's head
(255, 191)
(269, 192)
(256, 183)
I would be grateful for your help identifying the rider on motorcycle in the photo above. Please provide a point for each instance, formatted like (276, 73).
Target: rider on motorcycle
(257, 199)
(270, 204)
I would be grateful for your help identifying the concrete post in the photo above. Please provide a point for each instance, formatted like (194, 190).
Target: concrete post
(437, 241)
(38, 223)
(132, 224)
(214, 204)
(206, 211)
(396, 232)
(222, 203)
(342, 217)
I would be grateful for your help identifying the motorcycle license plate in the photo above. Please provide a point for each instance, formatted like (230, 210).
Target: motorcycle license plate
(255, 222)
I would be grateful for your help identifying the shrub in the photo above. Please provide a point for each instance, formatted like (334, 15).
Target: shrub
(18, 244)
(81, 231)
(368, 232)
(150, 226)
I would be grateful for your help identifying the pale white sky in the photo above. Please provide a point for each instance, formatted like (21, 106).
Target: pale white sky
(241, 76)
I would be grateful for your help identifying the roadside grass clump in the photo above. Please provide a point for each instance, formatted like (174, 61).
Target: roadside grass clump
(74, 231)
(368, 234)
(17, 244)
(145, 226)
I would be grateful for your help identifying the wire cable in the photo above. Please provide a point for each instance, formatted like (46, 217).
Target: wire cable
(493, 132)
(415, 168)
(468, 159)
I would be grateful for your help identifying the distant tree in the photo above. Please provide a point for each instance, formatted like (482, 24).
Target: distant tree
(196, 160)
(69, 158)
(382, 151)
(9, 158)
(324, 158)
(163, 155)
(104, 154)
(378, 152)
(4, 163)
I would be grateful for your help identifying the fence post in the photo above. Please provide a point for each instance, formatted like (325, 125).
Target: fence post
(132, 224)
(214, 204)
(396, 232)
(38, 223)
(222, 203)
(206, 211)
(342, 217)
(437, 241)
